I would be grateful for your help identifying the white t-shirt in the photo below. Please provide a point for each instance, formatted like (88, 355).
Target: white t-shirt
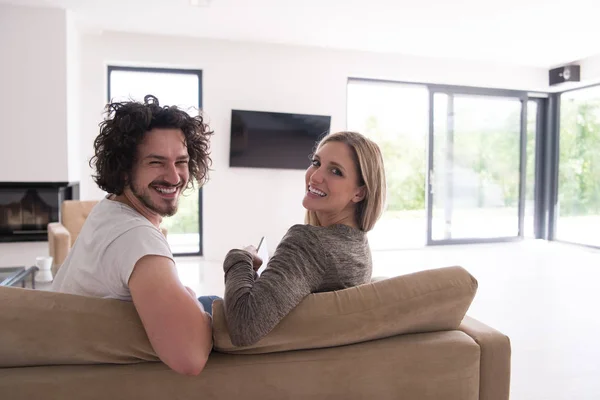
(113, 238)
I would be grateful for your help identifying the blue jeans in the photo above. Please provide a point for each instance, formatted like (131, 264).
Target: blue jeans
(207, 301)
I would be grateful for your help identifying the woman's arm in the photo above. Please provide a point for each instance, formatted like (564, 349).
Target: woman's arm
(254, 308)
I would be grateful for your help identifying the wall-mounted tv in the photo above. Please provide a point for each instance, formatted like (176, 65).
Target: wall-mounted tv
(274, 140)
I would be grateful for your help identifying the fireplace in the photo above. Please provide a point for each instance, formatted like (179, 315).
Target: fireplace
(26, 208)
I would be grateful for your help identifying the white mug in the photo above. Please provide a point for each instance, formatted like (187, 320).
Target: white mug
(45, 269)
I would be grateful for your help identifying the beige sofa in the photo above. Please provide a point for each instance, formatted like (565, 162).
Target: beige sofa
(399, 338)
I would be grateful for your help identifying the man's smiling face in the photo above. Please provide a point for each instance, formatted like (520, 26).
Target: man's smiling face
(161, 171)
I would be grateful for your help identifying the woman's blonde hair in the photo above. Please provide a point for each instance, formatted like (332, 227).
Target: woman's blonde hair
(369, 164)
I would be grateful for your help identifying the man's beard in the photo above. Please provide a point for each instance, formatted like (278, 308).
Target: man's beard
(144, 196)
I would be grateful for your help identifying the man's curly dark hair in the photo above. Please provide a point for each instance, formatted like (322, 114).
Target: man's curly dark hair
(125, 126)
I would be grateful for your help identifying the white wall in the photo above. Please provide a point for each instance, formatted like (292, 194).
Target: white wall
(39, 106)
(33, 107)
(73, 73)
(240, 205)
(590, 69)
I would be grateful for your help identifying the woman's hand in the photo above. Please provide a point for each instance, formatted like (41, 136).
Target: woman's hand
(256, 260)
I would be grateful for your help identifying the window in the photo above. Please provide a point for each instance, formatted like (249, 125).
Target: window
(578, 208)
(533, 109)
(182, 88)
(456, 160)
(476, 171)
(395, 117)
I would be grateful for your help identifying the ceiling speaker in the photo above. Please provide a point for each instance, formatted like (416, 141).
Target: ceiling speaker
(567, 73)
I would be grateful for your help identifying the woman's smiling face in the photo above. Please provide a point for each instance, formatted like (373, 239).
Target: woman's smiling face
(332, 184)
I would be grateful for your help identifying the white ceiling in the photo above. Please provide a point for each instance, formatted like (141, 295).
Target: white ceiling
(542, 33)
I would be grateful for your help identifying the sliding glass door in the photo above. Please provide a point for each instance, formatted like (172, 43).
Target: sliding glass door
(578, 206)
(476, 165)
(456, 161)
(533, 150)
(395, 117)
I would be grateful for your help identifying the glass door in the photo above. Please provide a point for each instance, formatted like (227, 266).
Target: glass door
(533, 169)
(578, 206)
(395, 116)
(477, 162)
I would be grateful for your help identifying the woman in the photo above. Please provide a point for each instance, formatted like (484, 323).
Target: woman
(345, 195)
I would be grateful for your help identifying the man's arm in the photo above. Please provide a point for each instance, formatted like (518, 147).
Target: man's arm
(178, 328)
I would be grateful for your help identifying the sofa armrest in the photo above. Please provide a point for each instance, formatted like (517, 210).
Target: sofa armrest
(59, 244)
(494, 375)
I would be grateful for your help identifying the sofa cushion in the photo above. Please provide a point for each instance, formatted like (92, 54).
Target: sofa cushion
(45, 328)
(427, 366)
(426, 301)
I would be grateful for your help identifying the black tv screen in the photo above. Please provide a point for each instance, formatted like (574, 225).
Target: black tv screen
(274, 140)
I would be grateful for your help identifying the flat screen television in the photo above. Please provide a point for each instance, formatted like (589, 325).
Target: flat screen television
(274, 140)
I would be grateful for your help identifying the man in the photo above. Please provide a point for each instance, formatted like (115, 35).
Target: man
(145, 156)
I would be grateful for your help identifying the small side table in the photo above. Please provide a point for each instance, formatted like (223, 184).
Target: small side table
(12, 276)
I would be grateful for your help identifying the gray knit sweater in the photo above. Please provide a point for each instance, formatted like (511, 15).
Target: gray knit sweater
(309, 259)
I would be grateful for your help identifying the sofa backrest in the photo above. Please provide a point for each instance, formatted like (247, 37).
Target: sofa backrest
(48, 328)
(426, 301)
